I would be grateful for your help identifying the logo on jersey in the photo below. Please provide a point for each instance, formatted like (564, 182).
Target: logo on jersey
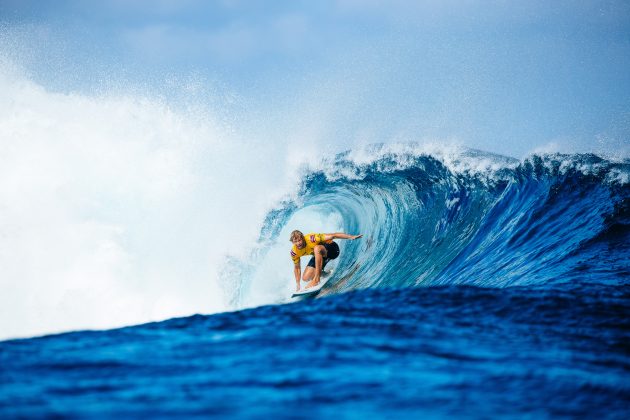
(312, 238)
(293, 254)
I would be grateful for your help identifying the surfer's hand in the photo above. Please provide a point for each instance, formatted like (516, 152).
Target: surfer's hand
(356, 237)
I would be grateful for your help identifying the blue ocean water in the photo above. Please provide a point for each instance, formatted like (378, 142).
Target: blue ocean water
(484, 287)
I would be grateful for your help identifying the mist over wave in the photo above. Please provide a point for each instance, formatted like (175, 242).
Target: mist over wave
(113, 206)
(444, 216)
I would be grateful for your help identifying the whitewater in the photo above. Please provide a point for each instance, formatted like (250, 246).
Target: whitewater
(113, 206)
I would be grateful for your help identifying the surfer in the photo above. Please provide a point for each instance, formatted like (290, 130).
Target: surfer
(323, 249)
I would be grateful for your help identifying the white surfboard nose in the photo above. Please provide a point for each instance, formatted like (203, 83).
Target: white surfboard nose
(311, 291)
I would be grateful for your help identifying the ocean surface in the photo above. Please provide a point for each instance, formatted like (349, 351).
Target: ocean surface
(485, 286)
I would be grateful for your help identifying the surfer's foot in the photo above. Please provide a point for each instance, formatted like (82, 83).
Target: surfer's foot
(312, 283)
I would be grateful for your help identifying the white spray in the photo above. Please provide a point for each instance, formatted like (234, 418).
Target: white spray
(118, 209)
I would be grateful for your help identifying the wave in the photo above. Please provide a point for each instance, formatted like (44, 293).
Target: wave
(463, 217)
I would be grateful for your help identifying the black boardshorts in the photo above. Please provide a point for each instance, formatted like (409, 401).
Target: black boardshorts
(332, 252)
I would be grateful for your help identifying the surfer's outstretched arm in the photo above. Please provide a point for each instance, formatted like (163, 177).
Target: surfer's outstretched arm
(341, 235)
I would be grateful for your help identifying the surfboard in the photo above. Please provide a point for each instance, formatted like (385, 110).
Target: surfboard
(311, 291)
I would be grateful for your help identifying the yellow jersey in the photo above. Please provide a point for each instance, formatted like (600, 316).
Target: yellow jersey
(311, 240)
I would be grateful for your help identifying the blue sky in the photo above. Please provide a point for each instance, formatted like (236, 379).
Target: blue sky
(504, 76)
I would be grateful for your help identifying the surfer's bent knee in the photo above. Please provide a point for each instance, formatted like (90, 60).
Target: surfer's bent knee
(308, 273)
(320, 249)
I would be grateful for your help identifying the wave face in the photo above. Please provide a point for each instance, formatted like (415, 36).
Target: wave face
(471, 218)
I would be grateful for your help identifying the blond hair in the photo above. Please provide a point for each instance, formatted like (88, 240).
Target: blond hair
(296, 234)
